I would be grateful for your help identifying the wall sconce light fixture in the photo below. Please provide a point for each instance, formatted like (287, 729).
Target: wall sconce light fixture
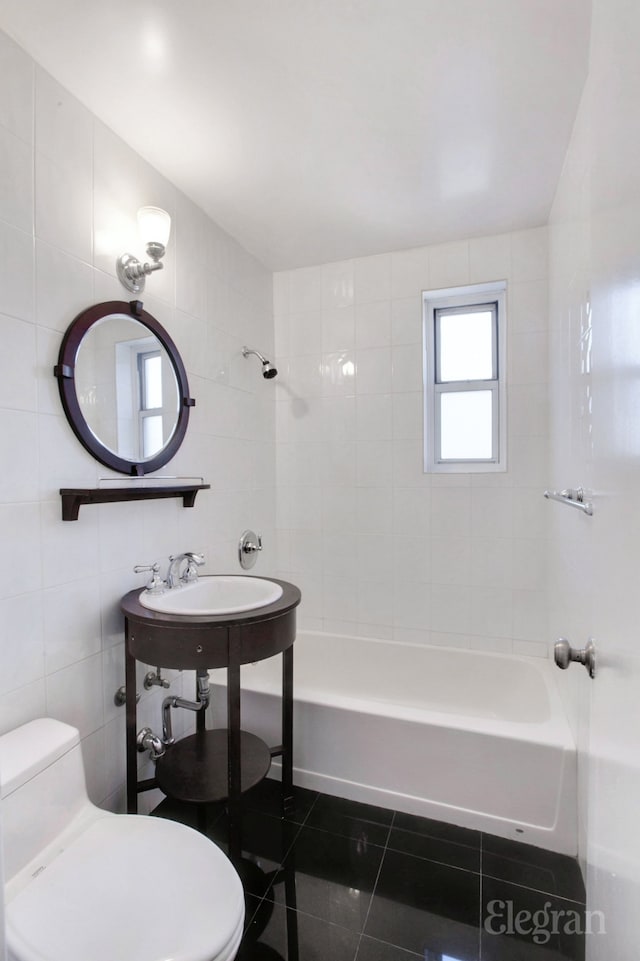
(154, 225)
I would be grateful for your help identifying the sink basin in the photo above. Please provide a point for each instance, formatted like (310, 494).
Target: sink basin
(215, 594)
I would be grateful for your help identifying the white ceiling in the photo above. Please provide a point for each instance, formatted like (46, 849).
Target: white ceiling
(316, 130)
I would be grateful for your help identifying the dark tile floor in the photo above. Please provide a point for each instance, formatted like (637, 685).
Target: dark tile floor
(341, 881)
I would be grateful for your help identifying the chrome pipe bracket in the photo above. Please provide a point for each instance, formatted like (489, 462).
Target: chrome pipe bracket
(564, 655)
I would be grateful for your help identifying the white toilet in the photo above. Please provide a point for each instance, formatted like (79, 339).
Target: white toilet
(83, 884)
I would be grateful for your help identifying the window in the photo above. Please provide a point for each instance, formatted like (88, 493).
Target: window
(464, 379)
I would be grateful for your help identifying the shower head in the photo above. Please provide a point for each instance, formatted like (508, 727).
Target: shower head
(268, 370)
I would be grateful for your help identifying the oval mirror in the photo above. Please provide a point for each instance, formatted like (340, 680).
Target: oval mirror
(123, 387)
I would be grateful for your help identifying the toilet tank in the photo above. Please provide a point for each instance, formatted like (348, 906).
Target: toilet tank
(42, 787)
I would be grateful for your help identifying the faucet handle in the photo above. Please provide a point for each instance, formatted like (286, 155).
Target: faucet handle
(194, 561)
(156, 585)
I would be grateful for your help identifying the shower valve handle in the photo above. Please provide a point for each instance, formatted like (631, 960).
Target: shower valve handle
(248, 548)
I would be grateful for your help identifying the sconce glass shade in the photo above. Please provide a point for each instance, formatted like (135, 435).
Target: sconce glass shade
(154, 225)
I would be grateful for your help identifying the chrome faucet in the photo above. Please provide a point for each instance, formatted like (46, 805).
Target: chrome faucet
(190, 572)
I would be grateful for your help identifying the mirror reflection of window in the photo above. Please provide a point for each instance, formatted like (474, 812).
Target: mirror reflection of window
(146, 397)
(150, 376)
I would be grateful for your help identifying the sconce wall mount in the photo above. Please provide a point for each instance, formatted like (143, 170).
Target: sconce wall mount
(155, 226)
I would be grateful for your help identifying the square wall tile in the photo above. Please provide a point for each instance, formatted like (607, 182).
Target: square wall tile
(20, 525)
(375, 558)
(18, 374)
(451, 560)
(339, 373)
(412, 604)
(63, 208)
(412, 511)
(22, 704)
(374, 371)
(528, 358)
(412, 559)
(64, 286)
(409, 272)
(529, 254)
(406, 362)
(375, 603)
(528, 305)
(338, 329)
(449, 265)
(22, 650)
(374, 465)
(451, 608)
(305, 334)
(492, 611)
(19, 478)
(450, 512)
(63, 127)
(337, 284)
(374, 510)
(281, 293)
(305, 290)
(72, 629)
(406, 321)
(68, 548)
(16, 272)
(408, 416)
(16, 184)
(374, 416)
(16, 92)
(372, 278)
(74, 695)
(373, 324)
(490, 259)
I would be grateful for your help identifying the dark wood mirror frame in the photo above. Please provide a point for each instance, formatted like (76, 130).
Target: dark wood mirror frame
(65, 372)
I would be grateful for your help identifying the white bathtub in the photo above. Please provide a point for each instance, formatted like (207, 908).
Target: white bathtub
(478, 740)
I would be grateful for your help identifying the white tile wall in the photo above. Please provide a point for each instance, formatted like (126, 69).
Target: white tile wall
(61, 632)
(447, 559)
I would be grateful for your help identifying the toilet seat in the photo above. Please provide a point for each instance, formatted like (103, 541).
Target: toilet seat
(128, 887)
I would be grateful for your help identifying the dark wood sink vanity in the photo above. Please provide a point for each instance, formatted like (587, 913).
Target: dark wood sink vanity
(105, 363)
(214, 765)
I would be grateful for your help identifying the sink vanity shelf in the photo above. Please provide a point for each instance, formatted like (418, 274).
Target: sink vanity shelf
(73, 498)
(210, 766)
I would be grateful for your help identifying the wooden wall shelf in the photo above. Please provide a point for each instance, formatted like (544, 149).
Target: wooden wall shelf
(73, 498)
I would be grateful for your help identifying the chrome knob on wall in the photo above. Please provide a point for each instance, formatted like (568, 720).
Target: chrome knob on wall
(248, 548)
(564, 655)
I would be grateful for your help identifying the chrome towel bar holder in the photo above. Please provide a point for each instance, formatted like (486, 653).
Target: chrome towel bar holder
(572, 497)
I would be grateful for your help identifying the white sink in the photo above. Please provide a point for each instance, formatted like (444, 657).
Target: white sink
(215, 594)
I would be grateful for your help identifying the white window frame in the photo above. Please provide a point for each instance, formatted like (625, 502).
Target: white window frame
(493, 294)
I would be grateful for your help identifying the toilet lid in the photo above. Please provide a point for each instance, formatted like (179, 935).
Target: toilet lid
(129, 887)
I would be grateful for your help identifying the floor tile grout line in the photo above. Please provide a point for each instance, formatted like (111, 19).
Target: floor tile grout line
(313, 804)
(284, 858)
(443, 864)
(375, 884)
(348, 837)
(390, 944)
(527, 887)
(299, 824)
